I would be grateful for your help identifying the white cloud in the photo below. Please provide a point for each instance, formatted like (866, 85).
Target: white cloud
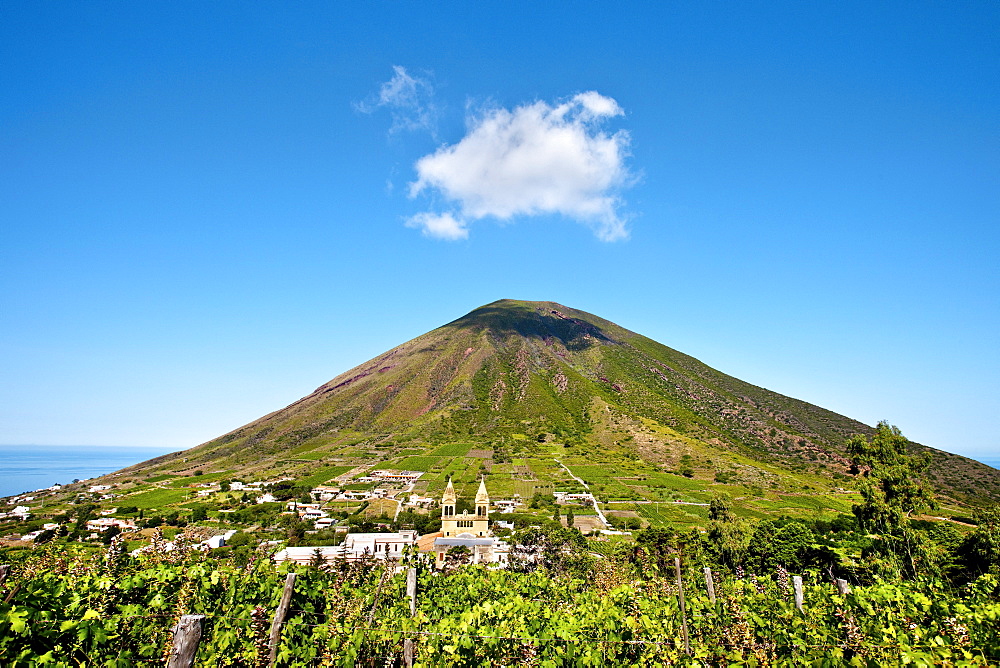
(409, 99)
(440, 225)
(536, 159)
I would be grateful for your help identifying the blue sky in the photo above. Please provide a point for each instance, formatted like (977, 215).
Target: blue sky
(207, 210)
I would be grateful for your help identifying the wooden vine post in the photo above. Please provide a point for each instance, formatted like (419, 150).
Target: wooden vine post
(797, 586)
(187, 635)
(411, 593)
(279, 618)
(842, 587)
(4, 572)
(411, 590)
(710, 584)
(680, 599)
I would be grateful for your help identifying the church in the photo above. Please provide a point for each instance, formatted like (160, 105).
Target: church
(471, 531)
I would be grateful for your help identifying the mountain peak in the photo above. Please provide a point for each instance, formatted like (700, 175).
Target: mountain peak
(534, 319)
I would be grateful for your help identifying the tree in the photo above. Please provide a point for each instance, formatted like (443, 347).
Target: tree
(979, 552)
(727, 536)
(45, 536)
(555, 514)
(776, 543)
(660, 545)
(84, 514)
(239, 538)
(570, 517)
(317, 560)
(456, 556)
(110, 533)
(295, 529)
(559, 549)
(891, 492)
(720, 509)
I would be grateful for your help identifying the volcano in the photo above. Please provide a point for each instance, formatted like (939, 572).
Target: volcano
(518, 383)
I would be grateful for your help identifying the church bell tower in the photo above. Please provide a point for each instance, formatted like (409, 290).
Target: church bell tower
(476, 525)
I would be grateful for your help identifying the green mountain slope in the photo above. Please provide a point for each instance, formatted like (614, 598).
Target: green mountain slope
(522, 384)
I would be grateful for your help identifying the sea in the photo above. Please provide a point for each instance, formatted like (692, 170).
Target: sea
(989, 461)
(25, 468)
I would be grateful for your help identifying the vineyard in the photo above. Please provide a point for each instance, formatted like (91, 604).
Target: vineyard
(61, 609)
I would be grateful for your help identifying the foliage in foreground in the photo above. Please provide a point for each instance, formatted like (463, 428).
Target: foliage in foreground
(62, 610)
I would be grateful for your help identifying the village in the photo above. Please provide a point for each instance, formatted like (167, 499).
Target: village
(462, 536)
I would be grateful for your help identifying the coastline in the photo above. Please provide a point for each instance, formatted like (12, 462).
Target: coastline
(25, 468)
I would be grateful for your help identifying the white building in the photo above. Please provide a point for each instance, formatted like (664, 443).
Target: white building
(220, 540)
(505, 506)
(323, 493)
(583, 497)
(380, 545)
(396, 476)
(356, 546)
(421, 501)
(105, 523)
(323, 523)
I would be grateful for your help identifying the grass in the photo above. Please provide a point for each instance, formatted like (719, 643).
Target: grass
(453, 450)
(155, 498)
(311, 444)
(671, 481)
(311, 456)
(378, 507)
(420, 463)
(325, 474)
(207, 477)
(666, 514)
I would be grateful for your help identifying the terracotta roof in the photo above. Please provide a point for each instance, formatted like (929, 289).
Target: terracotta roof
(426, 543)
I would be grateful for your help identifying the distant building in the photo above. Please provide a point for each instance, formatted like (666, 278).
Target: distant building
(421, 501)
(324, 493)
(380, 545)
(566, 497)
(396, 476)
(105, 523)
(506, 506)
(218, 541)
(356, 546)
(323, 523)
